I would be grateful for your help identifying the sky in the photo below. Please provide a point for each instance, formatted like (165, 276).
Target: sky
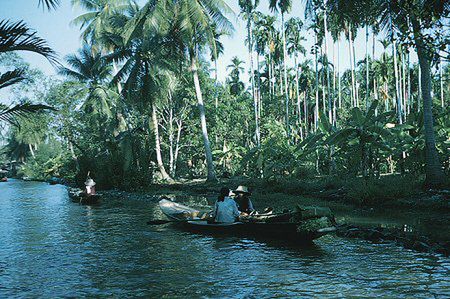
(55, 27)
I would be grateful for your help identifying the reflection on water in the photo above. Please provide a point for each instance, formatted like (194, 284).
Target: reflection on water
(50, 246)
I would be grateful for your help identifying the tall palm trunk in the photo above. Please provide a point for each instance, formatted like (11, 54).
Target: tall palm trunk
(334, 84)
(441, 81)
(356, 78)
(201, 107)
(367, 67)
(398, 100)
(299, 108)
(419, 92)
(259, 98)
(252, 76)
(30, 147)
(269, 67)
(433, 169)
(375, 89)
(330, 113)
(316, 109)
(405, 91)
(339, 74)
(408, 98)
(352, 66)
(285, 77)
(159, 160)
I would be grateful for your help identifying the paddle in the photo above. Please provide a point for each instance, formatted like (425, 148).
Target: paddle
(162, 221)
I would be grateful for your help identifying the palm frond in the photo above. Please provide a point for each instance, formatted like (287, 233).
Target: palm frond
(11, 114)
(11, 77)
(16, 36)
(49, 4)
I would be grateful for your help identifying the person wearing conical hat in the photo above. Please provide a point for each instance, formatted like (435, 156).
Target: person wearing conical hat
(90, 185)
(242, 198)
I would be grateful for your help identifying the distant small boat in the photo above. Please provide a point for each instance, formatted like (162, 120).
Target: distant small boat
(79, 196)
(278, 226)
(55, 181)
(5, 179)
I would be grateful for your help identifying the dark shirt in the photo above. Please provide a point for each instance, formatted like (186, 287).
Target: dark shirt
(244, 204)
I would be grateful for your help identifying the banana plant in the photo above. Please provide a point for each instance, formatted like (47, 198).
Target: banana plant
(365, 136)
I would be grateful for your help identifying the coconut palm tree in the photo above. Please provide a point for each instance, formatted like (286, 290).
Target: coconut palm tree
(95, 20)
(248, 8)
(265, 35)
(17, 36)
(294, 48)
(284, 6)
(93, 72)
(149, 54)
(419, 17)
(195, 19)
(236, 86)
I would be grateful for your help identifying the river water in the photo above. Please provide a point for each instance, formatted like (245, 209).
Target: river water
(51, 247)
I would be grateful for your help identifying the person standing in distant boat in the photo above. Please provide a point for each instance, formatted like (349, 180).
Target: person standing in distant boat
(242, 199)
(90, 185)
(225, 209)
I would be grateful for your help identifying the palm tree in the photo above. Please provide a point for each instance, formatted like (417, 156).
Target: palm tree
(420, 17)
(294, 48)
(285, 7)
(90, 69)
(236, 86)
(96, 20)
(196, 22)
(17, 36)
(248, 8)
(265, 34)
(150, 53)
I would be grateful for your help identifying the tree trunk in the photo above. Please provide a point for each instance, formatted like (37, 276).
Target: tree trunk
(330, 113)
(408, 98)
(208, 154)
(30, 146)
(316, 109)
(339, 75)
(352, 70)
(367, 68)
(269, 66)
(441, 81)
(285, 77)
(252, 77)
(398, 100)
(433, 169)
(159, 160)
(334, 85)
(375, 88)
(299, 109)
(419, 92)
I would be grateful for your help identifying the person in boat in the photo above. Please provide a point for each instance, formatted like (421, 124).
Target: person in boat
(225, 209)
(242, 199)
(90, 186)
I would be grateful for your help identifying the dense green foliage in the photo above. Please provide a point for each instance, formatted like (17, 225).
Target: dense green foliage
(128, 102)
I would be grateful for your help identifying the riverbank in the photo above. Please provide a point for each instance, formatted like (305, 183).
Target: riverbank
(420, 221)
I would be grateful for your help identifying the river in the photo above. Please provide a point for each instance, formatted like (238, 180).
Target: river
(52, 247)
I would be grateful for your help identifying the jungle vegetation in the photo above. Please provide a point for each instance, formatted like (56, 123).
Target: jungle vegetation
(140, 101)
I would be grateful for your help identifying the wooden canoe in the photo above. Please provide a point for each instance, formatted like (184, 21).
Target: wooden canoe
(78, 195)
(193, 219)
